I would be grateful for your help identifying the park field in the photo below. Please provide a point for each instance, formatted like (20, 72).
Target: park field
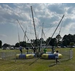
(37, 64)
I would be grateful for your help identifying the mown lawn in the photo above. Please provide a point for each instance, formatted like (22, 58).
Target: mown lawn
(36, 64)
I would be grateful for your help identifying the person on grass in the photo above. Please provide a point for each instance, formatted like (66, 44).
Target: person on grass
(56, 56)
(45, 50)
(20, 48)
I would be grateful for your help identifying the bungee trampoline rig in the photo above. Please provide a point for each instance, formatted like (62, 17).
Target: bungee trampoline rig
(47, 55)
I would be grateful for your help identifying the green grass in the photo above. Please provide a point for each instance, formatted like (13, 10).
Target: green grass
(36, 64)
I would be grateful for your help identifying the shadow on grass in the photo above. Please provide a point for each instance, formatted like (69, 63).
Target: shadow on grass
(52, 65)
(65, 60)
(36, 60)
(33, 61)
(59, 62)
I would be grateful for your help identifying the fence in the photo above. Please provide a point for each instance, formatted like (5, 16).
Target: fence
(7, 55)
(66, 54)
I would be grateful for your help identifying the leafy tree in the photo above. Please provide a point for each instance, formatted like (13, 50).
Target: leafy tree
(47, 41)
(22, 43)
(53, 42)
(0, 43)
(58, 38)
(67, 39)
(6, 45)
(71, 44)
(17, 45)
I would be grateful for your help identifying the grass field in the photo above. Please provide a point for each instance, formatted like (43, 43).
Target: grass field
(36, 64)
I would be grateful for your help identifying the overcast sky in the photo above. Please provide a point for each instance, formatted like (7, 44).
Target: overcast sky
(47, 15)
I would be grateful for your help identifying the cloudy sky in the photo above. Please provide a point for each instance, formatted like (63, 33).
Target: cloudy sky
(47, 15)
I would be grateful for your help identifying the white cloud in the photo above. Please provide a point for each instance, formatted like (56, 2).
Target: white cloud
(3, 36)
(49, 14)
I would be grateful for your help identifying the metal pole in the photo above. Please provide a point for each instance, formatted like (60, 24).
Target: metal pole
(33, 22)
(56, 28)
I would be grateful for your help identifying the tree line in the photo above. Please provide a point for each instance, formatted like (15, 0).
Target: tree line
(66, 40)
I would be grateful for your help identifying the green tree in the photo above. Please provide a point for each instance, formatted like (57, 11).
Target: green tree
(0, 43)
(22, 43)
(53, 42)
(47, 40)
(67, 39)
(58, 38)
(71, 44)
(6, 45)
